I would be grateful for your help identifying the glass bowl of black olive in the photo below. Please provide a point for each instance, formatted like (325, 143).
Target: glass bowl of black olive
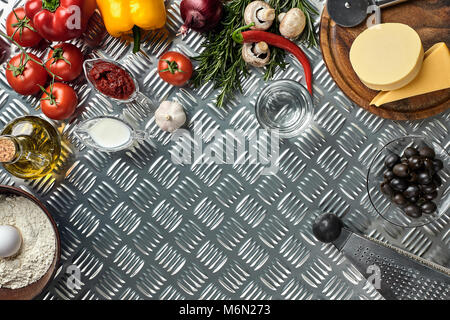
(408, 182)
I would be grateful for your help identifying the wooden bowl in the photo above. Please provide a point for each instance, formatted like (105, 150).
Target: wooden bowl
(31, 291)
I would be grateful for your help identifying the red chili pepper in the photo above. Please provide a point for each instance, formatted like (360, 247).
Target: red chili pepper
(276, 41)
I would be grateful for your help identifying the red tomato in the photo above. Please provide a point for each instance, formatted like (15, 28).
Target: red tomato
(175, 68)
(22, 28)
(25, 78)
(62, 102)
(66, 61)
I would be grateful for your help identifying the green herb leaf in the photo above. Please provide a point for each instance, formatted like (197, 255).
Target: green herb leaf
(221, 60)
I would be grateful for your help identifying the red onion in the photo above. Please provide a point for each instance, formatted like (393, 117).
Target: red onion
(200, 15)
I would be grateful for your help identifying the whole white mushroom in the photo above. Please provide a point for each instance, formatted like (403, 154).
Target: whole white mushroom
(292, 23)
(170, 116)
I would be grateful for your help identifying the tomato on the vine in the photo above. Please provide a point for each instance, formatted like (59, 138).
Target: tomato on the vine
(175, 68)
(24, 75)
(19, 25)
(59, 101)
(66, 61)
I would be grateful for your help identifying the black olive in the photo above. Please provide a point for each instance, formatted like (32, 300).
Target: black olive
(427, 152)
(399, 184)
(437, 165)
(413, 177)
(428, 207)
(424, 178)
(327, 227)
(431, 196)
(400, 200)
(413, 211)
(410, 152)
(428, 164)
(387, 189)
(414, 199)
(437, 180)
(391, 160)
(428, 188)
(411, 192)
(415, 163)
(401, 170)
(389, 175)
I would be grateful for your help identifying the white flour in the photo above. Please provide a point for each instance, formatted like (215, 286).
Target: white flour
(38, 246)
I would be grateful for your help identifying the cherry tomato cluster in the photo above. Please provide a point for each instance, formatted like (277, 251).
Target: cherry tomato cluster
(27, 74)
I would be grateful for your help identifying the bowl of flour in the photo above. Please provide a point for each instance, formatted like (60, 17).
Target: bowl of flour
(24, 275)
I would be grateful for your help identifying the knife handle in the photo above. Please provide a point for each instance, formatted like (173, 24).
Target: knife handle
(388, 3)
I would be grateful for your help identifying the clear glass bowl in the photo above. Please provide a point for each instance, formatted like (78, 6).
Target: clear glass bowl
(284, 106)
(382, 204)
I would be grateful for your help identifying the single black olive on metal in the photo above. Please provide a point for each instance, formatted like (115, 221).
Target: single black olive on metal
(412, 191)
(428, 188)
(389, 175)
(437, 165)
(387, 189)
(399, 184)
(391, 160)
(400, 200)
(413, 211)
(415, 163)
(401, 170)
(437, 180)
(431, 196)
(424, 177)
(427, 152)
(327, 227)
(428, 207)
(410, 152)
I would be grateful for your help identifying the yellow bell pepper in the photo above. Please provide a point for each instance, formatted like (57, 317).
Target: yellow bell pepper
(130, 16)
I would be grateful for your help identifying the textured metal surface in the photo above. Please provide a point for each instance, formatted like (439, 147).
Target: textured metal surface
(140, 227)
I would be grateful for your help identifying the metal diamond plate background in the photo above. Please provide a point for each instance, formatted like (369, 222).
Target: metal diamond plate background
(141, 227)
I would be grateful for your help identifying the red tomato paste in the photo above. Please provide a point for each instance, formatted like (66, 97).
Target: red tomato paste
(111, 80)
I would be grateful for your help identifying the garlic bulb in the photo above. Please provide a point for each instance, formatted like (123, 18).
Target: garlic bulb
(170, 116)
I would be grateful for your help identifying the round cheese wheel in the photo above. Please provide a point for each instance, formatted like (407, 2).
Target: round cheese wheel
(387, 56)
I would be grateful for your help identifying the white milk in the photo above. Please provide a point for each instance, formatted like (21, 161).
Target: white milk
(110, 133)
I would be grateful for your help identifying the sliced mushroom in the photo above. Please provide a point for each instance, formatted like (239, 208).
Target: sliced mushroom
(256, 54)
(292, 23)
(260, 13)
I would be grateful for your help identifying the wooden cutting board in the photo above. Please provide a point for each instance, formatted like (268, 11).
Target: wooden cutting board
(431, 20)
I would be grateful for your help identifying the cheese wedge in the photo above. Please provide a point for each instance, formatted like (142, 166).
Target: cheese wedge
(434, 76)
(387, 56)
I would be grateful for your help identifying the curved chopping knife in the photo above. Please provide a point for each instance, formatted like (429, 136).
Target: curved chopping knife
(350, 13)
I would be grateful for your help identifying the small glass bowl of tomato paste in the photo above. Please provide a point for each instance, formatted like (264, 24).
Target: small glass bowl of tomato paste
(114, 81)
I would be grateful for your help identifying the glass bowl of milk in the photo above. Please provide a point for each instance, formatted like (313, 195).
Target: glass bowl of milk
(108, 134)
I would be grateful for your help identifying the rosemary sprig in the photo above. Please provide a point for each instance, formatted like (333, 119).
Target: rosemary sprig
(221, 60)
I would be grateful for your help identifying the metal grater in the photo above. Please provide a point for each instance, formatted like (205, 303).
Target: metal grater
(404, 276)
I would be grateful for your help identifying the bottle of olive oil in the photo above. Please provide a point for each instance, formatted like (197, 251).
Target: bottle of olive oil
(29, 147)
